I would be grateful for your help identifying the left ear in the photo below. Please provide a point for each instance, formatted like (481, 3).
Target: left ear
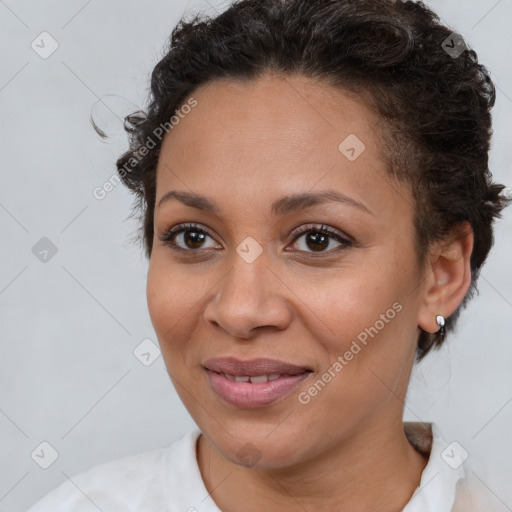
(449, 277)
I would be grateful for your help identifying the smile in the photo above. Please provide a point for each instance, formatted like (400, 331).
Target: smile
(248, 392)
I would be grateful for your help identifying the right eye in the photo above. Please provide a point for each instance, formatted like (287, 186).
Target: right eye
(191, 235)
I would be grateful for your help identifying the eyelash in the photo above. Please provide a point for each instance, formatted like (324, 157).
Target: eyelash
(170, 234)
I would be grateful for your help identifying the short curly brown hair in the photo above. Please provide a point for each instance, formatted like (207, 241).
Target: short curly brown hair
(434, 104)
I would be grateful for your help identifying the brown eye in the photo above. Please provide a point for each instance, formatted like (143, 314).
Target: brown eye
(318, 239)
(193, 239)
(186, 237)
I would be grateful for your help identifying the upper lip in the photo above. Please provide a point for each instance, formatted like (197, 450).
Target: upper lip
(252, 367)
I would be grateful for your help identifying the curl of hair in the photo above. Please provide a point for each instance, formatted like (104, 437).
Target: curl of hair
(434, 109)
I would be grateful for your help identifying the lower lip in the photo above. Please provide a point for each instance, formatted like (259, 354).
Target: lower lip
(250, 395)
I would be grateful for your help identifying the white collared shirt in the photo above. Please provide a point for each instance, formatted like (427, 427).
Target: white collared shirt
(169, 480)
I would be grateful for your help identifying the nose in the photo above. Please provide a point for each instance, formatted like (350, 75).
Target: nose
(248, 297)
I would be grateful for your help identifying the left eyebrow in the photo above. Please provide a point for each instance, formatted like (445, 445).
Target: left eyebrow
(282, 206)
(295, 202)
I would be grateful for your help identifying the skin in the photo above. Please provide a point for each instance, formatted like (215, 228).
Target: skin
(245, 145)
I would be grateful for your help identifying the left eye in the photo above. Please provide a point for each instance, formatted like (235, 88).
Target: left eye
(319, 238)
(193, 237)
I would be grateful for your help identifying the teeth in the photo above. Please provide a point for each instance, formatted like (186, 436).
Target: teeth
(259, 378)
(256, 378)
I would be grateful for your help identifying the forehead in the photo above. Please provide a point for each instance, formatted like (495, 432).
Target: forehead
(275, 135)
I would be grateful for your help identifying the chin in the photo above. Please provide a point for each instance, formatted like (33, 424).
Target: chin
(259, 451)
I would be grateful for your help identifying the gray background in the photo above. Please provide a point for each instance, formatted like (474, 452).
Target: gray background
(69, 326)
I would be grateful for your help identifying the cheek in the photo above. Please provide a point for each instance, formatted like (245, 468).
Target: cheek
(171, 297)
(365, 363)
(344, 304)
(364, 320)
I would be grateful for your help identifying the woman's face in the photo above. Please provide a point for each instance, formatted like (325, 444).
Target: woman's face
(241, 283)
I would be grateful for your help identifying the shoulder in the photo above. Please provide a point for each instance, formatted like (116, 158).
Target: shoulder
(480, 491)
(453, 480)
(131, 483)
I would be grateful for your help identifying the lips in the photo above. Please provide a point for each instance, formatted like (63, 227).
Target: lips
(234, 367)
(253, 383)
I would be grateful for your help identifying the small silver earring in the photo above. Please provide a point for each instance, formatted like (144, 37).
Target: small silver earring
(440, 321)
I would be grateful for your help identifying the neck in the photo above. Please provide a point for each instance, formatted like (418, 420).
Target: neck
(375, 468)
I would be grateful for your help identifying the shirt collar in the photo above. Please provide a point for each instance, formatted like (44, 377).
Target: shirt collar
(438, 484)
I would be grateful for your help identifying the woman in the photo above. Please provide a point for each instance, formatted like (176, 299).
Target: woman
(316, 203)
